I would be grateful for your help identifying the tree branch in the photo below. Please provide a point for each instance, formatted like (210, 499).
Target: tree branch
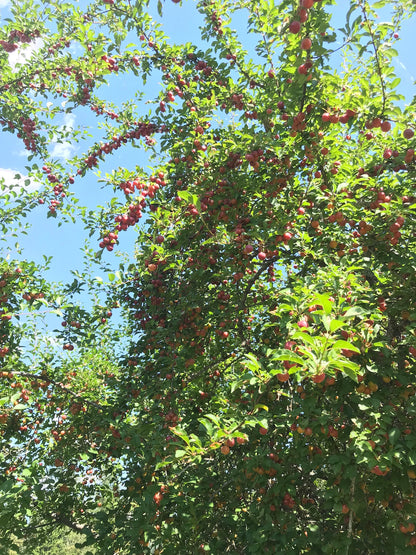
(46, 378)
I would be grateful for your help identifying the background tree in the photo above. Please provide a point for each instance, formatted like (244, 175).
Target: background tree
(254, 390)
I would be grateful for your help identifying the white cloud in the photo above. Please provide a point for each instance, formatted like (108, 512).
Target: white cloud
(4, 3)
(9, 180)
(24, 52)
(65, 149)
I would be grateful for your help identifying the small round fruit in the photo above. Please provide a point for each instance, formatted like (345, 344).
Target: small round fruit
(408, 133)
(294, 27)
(306, 44)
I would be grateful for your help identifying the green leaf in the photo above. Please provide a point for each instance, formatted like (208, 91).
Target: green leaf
(394, 435)
(290, 357)
(305, 337)
(341, 344)
(350, 373)
(336, 325)
(323, 300)
(261, 407)
(355, 311)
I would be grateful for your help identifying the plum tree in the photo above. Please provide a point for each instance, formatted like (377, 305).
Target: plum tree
(243, 382)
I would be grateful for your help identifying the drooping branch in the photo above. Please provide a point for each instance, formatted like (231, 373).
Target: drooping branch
(66, 390)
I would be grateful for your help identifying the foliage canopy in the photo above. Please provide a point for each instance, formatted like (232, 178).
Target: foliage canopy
(244, 382)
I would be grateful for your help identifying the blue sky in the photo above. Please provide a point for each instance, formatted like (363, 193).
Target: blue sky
(65, 244)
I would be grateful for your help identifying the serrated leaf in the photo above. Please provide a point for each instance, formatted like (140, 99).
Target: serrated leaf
(335, 325)
(290, 357)
(213, 418)
(350, 373)
(305, 337)
(341, 344)
(253, 360)
(355, 311)
(326, 320)
(323, 300)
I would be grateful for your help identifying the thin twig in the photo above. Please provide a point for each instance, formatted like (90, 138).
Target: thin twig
(370, 30)
(350, 516)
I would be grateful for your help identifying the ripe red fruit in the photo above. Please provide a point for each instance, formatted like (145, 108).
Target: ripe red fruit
(306, 4)
(385, 126)
(294, 27)
(408, 133)
(378, 472)
(306, 44)
(225, 450)
(160, 239)
(318, 378)
(261, 255)
(263, 431)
